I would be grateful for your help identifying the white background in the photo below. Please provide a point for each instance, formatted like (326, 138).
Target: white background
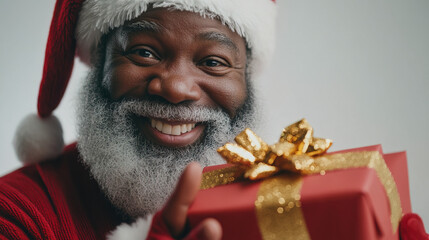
(358, 70)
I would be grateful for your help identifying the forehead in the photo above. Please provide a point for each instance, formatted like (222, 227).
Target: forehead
(178, 18)
(163, 21)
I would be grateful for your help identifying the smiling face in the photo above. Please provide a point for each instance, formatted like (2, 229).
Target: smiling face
(161, 71)
(177, 58)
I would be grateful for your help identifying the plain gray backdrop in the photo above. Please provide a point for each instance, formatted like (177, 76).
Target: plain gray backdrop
(358, 71)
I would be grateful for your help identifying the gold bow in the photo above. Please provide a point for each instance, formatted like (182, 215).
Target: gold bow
(294, 151)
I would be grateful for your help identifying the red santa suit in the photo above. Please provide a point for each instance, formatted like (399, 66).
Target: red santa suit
(56, 199)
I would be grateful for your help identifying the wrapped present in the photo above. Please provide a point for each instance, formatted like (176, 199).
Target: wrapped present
(300, 194)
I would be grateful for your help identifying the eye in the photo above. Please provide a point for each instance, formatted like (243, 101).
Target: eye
(143, 56)
(144, 53)
(214, 63)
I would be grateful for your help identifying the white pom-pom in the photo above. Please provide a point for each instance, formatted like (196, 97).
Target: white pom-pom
(136, 231)
(38, 139)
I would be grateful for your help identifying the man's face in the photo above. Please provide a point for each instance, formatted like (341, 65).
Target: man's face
(164, 70)
(179, 58)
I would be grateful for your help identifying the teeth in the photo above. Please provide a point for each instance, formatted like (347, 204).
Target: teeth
(190, 126)
(159, 125)
(171, 129)
(183, 128)
(176, 130)
(166, 128)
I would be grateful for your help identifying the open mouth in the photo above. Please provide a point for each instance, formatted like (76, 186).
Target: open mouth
(172, 129)
(171, 133)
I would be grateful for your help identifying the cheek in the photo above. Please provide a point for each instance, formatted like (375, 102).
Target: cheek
(230, 95)
(125, 81)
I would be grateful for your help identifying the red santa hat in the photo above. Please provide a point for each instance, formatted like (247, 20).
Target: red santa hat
(76, 29)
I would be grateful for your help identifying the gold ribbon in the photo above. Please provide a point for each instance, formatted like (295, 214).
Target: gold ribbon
(278, 206)
(294, 151)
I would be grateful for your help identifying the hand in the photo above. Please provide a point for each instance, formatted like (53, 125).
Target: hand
(173, 217)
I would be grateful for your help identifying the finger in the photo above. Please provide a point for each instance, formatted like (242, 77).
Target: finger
(209, 229)
(175, 211)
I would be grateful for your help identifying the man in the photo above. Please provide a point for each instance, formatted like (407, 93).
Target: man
(170, 81)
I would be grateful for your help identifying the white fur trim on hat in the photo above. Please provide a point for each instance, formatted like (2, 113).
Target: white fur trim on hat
(38, 139)
(253, 20)
(139, 230)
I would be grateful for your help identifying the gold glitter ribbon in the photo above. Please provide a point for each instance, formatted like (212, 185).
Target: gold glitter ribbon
(278, 206)
(278, 209)
(294, 151)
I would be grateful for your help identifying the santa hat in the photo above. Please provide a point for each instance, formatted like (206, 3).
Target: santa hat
(76, 29)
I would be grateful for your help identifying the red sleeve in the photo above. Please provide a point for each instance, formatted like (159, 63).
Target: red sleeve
(19, 215)
(55, 199)
(9, 230)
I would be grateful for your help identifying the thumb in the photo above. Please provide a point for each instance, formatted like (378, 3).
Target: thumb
(175, 211)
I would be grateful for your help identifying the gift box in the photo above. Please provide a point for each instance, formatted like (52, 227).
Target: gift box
(351, 201)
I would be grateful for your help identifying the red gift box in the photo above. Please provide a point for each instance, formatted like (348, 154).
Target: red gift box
(341, 204)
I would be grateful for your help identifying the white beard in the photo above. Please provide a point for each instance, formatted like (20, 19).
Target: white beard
(135, 174)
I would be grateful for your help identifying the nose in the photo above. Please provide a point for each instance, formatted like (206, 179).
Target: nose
(175, 86)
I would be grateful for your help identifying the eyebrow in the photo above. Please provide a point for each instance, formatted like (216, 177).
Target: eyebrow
(220, 38)
(143, 25)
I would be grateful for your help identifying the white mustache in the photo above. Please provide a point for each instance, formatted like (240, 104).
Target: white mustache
(153, 109)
